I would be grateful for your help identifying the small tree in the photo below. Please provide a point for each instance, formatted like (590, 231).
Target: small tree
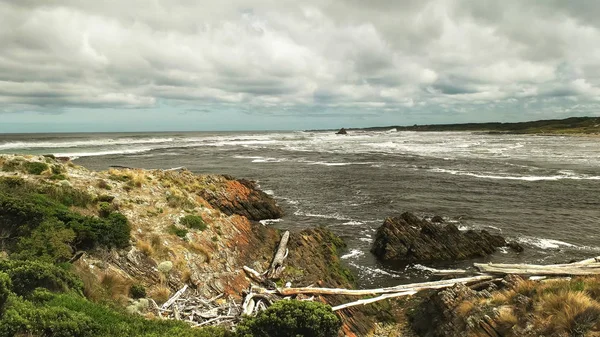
(291, 319)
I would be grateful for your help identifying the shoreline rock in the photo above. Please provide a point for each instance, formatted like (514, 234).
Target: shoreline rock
(409, 238)
(342, 132)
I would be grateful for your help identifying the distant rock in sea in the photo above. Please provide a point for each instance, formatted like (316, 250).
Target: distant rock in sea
(342, 132)
(409, 238)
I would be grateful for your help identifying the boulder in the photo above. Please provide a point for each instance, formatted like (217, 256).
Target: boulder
(342, 132)
(409, 238)
(437, 219)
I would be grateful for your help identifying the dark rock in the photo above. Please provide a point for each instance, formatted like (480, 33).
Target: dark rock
(515, 246)
(342, 132)
(408, 238)
(437, 219)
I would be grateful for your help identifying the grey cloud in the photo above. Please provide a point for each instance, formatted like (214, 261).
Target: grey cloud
(420, 56)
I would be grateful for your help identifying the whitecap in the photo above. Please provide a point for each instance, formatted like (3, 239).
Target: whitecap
(75, 155)
(352, 223)
(352, 253)
(335, 216)
(545, 243)
(523, 178)
(269, 221)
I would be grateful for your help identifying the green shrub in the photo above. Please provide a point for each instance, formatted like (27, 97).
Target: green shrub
(193, 222)
(26, 318)
(291, 319)
(105, 198)
(181, 232)
(33, 167)
(48, 314)
(50, 242)
(35, 225)
(105, 209)
(58, 177)
(26, 276)
(137, 291)
(57, 169)
(5, 286)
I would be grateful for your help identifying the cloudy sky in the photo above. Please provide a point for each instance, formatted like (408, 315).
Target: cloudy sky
(119, 65)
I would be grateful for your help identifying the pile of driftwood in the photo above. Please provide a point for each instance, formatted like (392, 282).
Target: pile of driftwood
(201, 312)
(190, 307)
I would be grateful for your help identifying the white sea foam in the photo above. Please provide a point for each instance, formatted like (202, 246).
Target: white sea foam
(352, 223)
(83, 143)
(269, 221)
(523, 178)
(545, 243)
(421, 267)
(352, 253)
(336, 216)
(374, 271)
(74, 155)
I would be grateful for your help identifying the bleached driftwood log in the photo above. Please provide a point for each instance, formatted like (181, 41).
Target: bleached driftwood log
(277, 265)
(400, 288)
(573, 269)
(172, 300)
(374, 299)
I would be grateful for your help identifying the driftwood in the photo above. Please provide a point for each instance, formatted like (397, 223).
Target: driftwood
(179, 168)
(574, 269)
(396, 289)
(277, 265)
(374, 299)
(172, 300)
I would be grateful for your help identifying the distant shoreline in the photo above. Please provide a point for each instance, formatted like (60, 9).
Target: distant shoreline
(572, 126)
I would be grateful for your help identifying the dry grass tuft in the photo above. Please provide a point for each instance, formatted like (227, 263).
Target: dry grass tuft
(506, 319)
(160, 294)
(92, 289)
(526, 287)
(117, 287)
(465, 308)
(502, 297)
(145, 247)
(199, 249)
(571, 312)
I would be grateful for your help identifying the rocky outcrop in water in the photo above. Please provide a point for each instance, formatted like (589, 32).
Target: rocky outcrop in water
(409, 238)
(342, 132)
(242, 197)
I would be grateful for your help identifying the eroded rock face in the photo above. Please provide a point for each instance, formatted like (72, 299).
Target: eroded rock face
(242, 197)
(408, 238)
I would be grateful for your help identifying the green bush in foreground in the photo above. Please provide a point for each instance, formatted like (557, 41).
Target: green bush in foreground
(291, 319)
(193, 222)
(37, 222)
(26, 276)
(5, 285)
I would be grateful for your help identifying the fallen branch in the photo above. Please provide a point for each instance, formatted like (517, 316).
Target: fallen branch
(174, 298)
(574, 269)
(277, 264)
(371, 300)
(396, 289)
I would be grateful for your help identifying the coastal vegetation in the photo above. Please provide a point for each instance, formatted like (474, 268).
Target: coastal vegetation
(63, 241)
(572, 125)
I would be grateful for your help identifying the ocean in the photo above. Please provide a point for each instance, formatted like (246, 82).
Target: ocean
(541, 191)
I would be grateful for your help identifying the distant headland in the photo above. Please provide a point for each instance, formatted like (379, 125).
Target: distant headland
(571, 125)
